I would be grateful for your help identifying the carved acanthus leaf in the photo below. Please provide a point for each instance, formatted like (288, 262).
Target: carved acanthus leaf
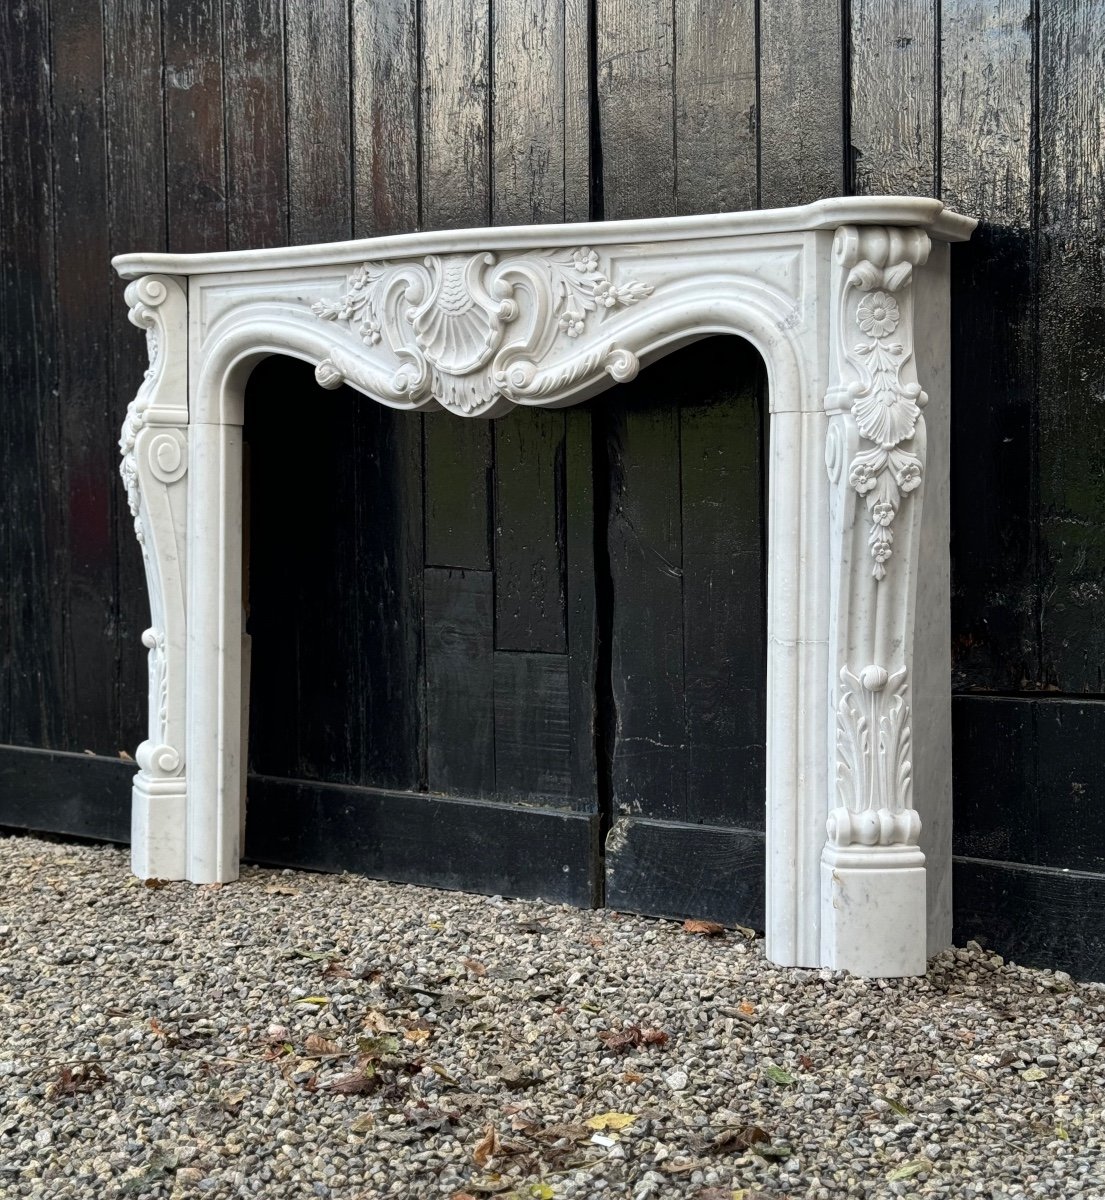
(467, 329)
(874, 769)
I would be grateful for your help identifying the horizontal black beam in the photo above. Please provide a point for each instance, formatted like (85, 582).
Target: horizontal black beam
(672, 869)
(1029, 780)
(412, 837)
(1036, 916)
(83, 795)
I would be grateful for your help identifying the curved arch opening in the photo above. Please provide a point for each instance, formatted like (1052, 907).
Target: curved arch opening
(560, 608)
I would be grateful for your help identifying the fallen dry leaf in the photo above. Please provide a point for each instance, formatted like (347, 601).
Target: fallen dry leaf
(632, 1077)
(417, 1035)
(739, 1138)
(233, 1101)
(476, 967)
(706, 928)
(356, 1082)
(317, 1045)
(154, 884)
(684, 1166)
(377, 1047)
(378, 1023)
(486, 1148)
(631, 1036)
(336, 970)
(78, 1077)
(610, 1120)
(363, 1123)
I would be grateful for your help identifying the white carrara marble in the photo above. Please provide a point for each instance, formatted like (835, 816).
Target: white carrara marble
(847, 302)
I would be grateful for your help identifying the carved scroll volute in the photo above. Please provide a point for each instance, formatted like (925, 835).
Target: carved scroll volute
(478, 334)
(154, 446)
(875, 456)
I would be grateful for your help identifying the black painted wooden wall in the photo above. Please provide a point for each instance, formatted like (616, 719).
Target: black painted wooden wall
(527, 619)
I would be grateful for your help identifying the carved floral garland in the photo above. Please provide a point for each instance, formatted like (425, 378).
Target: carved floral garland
(885, 407)
(445, 321)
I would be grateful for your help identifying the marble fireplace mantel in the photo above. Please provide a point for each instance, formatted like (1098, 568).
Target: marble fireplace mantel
(847, 302)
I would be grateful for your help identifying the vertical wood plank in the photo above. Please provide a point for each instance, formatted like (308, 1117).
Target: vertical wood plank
(715, 105)
(532, 728)
(635, 47)
(388, 445)
(649, 769)
(32, 677)
(531, 161)
(724, 601)
(1072, 340)
(986, 170)
(317, 84)
(385, 64)
(278, 532)
(456, 178)
(801, 102)
(330, 666)
(529, 544)
(84, 417)
(456, 82)
(135, 120)
(640, 427)
(577, 110)
(256, 135)
(458, 464)
(540, 167)
(455, 185)
(893, 103)
(581, 582)
(460, 702)
(195, 172)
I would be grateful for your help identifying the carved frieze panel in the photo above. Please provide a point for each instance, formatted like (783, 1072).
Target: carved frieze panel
(471, 329)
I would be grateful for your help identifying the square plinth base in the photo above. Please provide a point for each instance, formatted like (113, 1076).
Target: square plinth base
(873, 914)
(158, 825)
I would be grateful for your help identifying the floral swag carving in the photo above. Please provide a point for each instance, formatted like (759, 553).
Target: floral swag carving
(883, 399)
(468, 330)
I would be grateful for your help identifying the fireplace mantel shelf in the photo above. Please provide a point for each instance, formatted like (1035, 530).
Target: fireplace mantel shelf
(847, 302)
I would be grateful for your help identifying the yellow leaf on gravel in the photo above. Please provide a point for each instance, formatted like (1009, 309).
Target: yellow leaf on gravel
(312, 1000)
(610, 1120)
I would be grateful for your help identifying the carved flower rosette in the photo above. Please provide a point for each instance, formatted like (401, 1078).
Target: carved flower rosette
(471, 332)
(882, 396)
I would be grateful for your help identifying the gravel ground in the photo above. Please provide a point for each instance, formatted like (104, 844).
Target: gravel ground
(298, 1035)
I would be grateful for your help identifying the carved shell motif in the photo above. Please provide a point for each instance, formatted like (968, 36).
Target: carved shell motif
(437, 329)
(460, 326)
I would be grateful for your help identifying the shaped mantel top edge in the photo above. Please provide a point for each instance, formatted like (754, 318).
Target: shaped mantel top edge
(940, 222)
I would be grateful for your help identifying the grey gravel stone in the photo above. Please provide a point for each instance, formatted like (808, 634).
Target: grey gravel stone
(299, 1035)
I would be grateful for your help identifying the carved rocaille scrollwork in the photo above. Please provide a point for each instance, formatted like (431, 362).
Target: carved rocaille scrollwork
(874, 772)
(154, 448)
(877, 387)
(468, 330)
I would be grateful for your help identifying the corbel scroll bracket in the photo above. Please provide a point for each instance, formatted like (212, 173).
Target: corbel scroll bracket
(154, 448)
(875, 452)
